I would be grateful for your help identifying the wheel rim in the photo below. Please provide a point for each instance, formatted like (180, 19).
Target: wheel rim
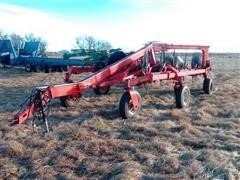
(28, 67)
(103, 89)
(69, 101)
(210, 88)
(131, 109)
(126, 108)
(38, 68)
(186, 97)
(73, 100)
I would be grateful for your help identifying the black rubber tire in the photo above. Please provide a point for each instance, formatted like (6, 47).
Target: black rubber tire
(53, 68)
(2, 65)
(99, 65)
(67, 101)
(208, 86)
(182, 96)
(28, 67)
(59, 69)
(37, 68)
(5, 60)
(124, 106)
(116, 56)
(101, 90)
(65, 68)
(46, 68)
(64, 101)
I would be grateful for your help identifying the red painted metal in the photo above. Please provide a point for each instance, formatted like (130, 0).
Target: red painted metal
(134, 97)
(78, 70)
(128, 70)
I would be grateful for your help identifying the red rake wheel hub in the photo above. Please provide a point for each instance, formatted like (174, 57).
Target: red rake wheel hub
(134, 102)
(130, 104)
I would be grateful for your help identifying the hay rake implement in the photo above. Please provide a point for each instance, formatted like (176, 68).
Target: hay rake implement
(152, 63)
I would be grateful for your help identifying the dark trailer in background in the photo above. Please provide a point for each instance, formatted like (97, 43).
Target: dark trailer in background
(29, 58)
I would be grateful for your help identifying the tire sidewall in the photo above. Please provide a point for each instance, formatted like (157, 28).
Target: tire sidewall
(38, 68)
(125, 111)
(208, 86)
(101, 91)
(28, 67)
(104, 90)
(185, 93)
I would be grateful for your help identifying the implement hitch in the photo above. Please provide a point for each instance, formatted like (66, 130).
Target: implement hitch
(36, 106)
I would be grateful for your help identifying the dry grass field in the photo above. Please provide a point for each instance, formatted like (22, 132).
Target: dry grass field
(90, 141)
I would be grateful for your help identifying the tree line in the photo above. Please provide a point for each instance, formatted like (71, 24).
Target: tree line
(82, 42)
(89, 42)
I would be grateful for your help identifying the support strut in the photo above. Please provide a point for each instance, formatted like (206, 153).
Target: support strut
(41, 110)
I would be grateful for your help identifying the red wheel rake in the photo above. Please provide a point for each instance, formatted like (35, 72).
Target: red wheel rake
(152, 63)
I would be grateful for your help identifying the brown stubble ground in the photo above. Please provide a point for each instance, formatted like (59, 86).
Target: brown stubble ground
(90, 141)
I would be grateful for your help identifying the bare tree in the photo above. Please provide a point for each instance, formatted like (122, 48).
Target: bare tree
(89, 42)
(31, 37)
(17, 41)
(103, 45)
(81, 43)
(3, 35)
(43, 48)
(86, 42)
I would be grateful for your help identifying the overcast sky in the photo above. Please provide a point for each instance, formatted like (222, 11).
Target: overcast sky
(127, 24)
